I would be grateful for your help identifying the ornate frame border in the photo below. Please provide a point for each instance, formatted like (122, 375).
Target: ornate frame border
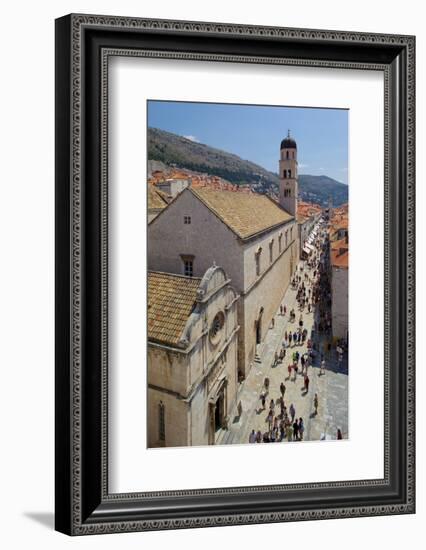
(85, 507)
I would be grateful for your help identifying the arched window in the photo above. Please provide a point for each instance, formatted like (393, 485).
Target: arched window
(271, 251)
(161, 422)
(287, 154)
(280, 242)
(285, 174)
(293, 154)
(289, 173)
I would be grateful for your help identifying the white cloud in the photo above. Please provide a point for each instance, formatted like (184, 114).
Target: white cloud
(192, 138)
(301, 165)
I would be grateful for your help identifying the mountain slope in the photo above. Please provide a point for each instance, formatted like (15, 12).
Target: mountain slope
(174, 150)
(318, 189)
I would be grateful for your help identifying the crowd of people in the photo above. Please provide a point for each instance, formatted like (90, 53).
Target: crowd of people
(313, 294)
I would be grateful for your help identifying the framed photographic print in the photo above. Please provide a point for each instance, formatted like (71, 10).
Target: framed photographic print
(234, 268)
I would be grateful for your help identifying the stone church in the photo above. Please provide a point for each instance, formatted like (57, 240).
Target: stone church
(192, 357)
(251, 236)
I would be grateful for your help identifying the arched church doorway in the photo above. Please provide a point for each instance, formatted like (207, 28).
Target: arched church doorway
(218, 410)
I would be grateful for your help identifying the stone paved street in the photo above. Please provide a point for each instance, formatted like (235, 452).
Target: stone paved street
(331, 387)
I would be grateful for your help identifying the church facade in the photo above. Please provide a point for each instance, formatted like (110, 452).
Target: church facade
(192, 357)
(252, 237)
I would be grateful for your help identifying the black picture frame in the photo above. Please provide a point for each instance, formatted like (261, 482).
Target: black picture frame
(83, 45)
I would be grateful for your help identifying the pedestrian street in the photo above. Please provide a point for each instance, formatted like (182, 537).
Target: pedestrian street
(330, 387)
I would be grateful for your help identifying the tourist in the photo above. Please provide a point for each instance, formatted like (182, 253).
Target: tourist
(301, 428)
(316, 404)
(339, 434)
(270, 418)
(294, 338)
(322, 368)
(282, 389)
(275, 359)
(266, 384)
(252, 437)
(285, 310)
(289, 371)
(292, 412)
(306, 383)
(263, 398)
(259, 436)
(296, 430)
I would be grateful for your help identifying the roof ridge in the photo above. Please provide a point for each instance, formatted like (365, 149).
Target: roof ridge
(153, 271)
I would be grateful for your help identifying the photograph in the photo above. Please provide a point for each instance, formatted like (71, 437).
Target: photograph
(207, 178)
(247, 274)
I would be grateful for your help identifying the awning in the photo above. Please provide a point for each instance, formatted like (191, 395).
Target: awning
(307, 250)
(309, 246)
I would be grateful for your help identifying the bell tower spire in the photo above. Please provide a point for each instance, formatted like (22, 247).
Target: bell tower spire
(288, 175)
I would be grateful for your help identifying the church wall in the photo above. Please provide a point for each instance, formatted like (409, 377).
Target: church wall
(206, 238)
(206, 351)
(251, 247)
(213, 358)
(199, 406)
(176, 414)
(267, 294)
(168, 369)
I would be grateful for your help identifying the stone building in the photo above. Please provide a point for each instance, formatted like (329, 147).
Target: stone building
(192, 357)
(173, 186)
(250, 235)
(339, 263)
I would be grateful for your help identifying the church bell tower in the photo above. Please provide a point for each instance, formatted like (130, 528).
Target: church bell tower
(288, 175)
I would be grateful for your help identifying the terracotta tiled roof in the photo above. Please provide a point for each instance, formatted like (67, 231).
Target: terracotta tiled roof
(171, 299)
(341, 243)
(246, 214)
(338, 258)
(307, 209)
(342, 223)
(156, 198)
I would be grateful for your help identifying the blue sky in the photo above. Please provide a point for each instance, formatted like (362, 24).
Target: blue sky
(255, 132)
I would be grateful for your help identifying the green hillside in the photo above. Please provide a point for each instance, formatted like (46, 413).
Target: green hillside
(174, 150)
